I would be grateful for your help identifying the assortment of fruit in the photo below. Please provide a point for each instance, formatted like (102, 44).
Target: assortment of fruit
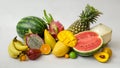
(46, 36)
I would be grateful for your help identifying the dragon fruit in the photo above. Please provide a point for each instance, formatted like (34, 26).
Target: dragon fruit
(54, 27)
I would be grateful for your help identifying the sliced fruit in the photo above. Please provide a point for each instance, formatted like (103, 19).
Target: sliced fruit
(101, 57)
(45, 49)
(67, 38)
(107, 50)
(104, 31)
(88, 43)
(60, 49)
(48, 38)
(54, 26)
(33, 41)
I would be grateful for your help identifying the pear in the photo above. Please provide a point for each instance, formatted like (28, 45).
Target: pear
(48, 38)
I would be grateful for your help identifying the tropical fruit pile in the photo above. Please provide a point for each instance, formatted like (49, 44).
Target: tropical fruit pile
(43, 36)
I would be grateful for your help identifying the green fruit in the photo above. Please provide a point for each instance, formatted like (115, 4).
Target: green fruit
(73, 55)
(88, 16)
(88, 43)
(35, 24)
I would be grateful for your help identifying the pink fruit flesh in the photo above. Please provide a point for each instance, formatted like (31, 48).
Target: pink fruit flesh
(87, 41)
(55, 27)
(60, 26)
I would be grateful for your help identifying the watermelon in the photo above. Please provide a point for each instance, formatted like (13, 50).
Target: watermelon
(88, 43)
(35, 24)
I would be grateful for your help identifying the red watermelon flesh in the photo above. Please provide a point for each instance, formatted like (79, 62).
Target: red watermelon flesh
(88, 42)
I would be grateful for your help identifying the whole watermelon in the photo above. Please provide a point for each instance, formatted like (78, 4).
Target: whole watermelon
(33, 23)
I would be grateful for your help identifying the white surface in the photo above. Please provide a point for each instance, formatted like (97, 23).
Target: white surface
(66, 11)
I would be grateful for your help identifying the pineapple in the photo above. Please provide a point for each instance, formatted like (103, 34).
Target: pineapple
(87, 16)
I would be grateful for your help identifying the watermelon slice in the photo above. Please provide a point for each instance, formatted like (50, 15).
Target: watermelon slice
(88, 43)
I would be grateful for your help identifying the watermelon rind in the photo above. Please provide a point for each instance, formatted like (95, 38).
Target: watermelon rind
(90, 52)
(33, 23)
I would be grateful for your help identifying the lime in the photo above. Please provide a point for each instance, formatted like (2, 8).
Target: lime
(73, 55)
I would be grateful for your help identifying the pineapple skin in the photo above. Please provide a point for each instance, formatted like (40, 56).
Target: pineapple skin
(77, 27)
(89, 15)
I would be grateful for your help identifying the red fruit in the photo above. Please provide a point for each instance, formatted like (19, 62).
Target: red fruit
(33, 54)
(55, 27)
(59, 26)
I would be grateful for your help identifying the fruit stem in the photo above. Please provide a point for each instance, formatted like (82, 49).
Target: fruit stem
(48, 18)
(15, 38)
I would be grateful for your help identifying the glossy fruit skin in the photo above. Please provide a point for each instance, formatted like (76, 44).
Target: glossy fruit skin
(33, 54)
(73, 55)
(35, 24)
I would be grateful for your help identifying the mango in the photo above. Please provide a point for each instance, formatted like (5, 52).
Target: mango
(60, 49)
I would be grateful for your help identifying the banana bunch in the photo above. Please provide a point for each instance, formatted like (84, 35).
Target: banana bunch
(16, 48)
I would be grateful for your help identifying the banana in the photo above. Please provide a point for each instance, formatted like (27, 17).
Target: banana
(12, 54)
(13, 49)
(20, 46)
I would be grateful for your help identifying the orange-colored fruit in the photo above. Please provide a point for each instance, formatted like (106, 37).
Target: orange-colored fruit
(66, 56)
(23, 57)
(45, 49)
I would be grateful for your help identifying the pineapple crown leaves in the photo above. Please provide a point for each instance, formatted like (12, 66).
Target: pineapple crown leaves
(89, 15)
(47, 17)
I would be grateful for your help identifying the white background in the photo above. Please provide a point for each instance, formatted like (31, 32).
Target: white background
(66, 11)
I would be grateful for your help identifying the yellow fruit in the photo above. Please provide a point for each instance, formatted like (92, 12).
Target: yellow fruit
(107, 50)
(60, 49)
(12, 54)
(49, 39)
(102, 57)
(67, 38)
(45, 49)
(12, 49)
(19, 45)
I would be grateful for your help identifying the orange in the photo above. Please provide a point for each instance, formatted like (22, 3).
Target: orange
(45, 49)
